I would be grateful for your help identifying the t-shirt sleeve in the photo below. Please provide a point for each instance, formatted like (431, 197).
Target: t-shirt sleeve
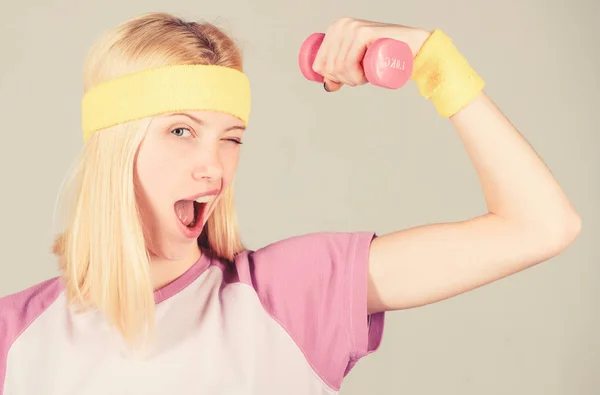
(18, 311)
(315, 286)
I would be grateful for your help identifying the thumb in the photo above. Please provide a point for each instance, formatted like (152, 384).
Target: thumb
(331, 86)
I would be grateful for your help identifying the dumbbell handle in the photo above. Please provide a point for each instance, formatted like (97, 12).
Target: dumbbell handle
(387, 63)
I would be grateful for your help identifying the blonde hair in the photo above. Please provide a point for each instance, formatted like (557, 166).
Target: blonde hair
(102, 249)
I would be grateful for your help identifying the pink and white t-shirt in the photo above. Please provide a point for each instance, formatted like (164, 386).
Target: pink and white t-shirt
(289, 318)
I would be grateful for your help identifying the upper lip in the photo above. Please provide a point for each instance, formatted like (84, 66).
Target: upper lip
(199, 195)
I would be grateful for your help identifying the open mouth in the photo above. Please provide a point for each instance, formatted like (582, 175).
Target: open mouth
(191, 212)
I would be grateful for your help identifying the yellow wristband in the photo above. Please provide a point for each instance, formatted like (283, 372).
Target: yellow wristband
(444, 76)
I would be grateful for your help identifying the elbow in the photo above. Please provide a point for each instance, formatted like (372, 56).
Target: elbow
(550, 234)
(562, 232)
(573, 228)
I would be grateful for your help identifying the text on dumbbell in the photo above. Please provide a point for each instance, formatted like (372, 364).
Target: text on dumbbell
(393, 63)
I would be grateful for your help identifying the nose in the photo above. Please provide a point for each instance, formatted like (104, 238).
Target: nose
(207, 166)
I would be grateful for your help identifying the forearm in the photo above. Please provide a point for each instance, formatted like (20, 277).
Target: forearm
(517, 185)
(529, 220)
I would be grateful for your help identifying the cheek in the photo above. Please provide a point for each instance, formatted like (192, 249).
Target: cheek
(229, 160)
(153, 177)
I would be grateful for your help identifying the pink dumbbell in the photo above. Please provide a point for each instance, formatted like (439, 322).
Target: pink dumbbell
(387, 63)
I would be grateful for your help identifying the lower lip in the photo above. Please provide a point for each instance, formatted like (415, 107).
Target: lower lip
(196, 231)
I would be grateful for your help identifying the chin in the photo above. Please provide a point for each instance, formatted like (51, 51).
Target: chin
(174, 249)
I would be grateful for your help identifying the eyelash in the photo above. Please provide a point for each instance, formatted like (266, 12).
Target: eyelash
(233, 140)
(173, 130)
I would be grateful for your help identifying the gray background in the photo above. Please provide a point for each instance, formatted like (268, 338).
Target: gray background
(315, 161)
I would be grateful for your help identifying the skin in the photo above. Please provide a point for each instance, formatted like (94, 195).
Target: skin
(529, 219)
(182, 155)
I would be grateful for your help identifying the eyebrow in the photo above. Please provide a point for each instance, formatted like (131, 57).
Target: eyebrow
(201, 122)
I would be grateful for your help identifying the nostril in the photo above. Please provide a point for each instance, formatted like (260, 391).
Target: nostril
(205, 173)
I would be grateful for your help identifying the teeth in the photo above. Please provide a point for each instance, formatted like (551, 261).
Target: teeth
(203, 199)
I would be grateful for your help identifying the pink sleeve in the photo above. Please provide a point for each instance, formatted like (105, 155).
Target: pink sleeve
(18, 311)
(315, 286)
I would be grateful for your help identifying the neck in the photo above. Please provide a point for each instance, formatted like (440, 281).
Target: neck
(165, 270)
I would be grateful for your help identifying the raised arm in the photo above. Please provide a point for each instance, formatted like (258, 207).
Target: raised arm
(529, 218)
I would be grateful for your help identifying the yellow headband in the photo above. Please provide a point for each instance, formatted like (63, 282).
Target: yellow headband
(165, 89)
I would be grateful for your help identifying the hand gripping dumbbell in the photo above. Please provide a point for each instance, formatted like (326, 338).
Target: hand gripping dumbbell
(387, 63)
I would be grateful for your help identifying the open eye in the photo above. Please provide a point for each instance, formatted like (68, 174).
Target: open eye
(181, 132)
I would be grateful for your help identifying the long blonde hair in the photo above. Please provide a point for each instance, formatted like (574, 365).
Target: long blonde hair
(101, 249)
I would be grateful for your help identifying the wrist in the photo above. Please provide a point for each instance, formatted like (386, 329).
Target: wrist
(444, 76)
(413, 37)
(418, 37)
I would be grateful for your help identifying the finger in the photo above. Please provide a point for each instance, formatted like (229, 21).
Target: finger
(333, 68)
(343, 65)
(353, 61)
(332, 86)
(320, 62)
(338, 40)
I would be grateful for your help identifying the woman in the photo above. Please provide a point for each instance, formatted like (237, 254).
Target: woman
(158, 294)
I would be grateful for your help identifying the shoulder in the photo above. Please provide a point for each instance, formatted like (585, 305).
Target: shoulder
(19, 310)
(315, 286)
(312, 249)
(296, 265)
